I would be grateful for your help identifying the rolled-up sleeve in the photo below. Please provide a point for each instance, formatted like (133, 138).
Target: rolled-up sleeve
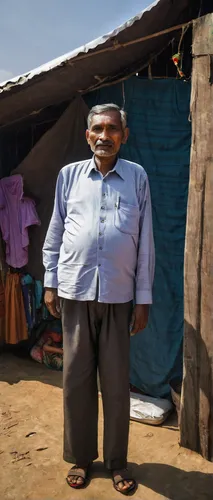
(146, 249)
(53, 241)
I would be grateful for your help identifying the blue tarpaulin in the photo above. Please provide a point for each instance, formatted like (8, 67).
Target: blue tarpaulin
(160, 139)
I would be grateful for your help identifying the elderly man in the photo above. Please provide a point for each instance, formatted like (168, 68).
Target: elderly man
(99, 257)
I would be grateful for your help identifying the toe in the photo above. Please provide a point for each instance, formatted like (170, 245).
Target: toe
(121, 486)
(126, 485)
(71, 480)
(80, 480)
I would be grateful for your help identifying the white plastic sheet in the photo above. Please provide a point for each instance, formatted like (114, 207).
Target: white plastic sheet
(147, 409)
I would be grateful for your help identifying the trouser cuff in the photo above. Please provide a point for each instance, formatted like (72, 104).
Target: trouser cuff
(116, 464)
(80, 462)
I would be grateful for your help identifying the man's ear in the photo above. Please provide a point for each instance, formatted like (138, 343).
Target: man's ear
(87, 135)
(125, 135)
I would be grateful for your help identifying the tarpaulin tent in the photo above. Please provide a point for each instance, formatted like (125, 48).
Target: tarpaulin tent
(160, 140)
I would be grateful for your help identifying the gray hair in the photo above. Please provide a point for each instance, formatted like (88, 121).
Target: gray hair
(101, 108)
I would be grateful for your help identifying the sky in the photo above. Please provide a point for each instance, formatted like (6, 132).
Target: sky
(33, 32)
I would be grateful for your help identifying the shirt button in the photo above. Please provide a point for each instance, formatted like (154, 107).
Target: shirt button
(102, 208)
(100, 248)
(102, 220)
(99, 265)
(104, 195)
(100, 234)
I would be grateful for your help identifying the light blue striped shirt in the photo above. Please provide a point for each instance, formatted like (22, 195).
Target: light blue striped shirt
(100, 235)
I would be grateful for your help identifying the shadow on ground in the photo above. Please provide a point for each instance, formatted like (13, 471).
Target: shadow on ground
(14, 369)
(170, 482)
(173, 483)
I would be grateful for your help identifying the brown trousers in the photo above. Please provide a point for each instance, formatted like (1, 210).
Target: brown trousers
(96, 337)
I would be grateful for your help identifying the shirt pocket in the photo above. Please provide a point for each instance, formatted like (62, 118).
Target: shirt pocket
(126, 218)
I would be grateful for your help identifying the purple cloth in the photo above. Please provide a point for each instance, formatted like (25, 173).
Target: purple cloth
(17, 213)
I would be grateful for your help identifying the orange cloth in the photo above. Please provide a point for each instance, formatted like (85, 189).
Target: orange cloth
(15, 320)
(2, 300)
(2, 312)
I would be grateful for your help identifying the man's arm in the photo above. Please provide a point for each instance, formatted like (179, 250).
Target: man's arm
(52, 245)
(145, 262)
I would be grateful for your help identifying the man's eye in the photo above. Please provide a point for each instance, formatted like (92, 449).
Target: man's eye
(96, 129)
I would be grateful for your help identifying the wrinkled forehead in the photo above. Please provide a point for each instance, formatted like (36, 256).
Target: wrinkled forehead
(107, 118)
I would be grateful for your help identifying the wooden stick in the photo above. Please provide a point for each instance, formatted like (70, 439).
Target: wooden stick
(117, 45)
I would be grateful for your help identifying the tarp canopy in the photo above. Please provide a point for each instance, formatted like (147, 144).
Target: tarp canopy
(106, 59)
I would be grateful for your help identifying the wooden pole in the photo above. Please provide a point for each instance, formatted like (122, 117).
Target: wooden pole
(197, 396)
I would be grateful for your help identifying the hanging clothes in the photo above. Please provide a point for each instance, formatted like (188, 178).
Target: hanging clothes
(38, 293)
(38, 289)
(28, 291)
(29, 305)
(2, 312)
(32, 295)
(2, 299)
(17, 213)
(15, 318)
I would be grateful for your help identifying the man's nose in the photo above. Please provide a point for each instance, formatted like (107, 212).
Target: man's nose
(104, 136)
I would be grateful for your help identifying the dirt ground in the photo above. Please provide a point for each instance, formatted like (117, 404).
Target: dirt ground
(31, 465)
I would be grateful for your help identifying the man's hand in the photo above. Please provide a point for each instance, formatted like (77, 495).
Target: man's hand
(140, 318)
(52, 302)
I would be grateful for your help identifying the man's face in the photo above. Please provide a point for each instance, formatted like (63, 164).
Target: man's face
(106, 134)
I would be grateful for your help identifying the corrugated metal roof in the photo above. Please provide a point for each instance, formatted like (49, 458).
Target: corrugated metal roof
(105, 60)
(84, 49)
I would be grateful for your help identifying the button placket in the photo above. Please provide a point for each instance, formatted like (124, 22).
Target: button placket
(102, 222)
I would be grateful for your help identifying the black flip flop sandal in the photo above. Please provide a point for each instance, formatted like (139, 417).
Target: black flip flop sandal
(78, 472)
(120, 478)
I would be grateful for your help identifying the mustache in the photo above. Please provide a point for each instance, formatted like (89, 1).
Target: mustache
(104, 143)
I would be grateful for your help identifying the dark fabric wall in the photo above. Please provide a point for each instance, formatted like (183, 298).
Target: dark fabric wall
(160, 139)
(63, 143)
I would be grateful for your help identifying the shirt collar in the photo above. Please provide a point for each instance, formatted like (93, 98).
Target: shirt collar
(118, 168)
